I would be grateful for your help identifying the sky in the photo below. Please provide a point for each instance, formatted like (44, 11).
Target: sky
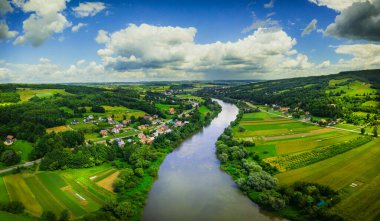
(63, 41)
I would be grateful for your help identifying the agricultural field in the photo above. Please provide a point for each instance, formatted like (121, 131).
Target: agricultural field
(352, 88)
(75, 190)
(345, 161)
(27, 93)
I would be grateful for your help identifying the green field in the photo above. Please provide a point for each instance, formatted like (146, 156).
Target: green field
(27, 93)
(10, 216)
(24, 148)
(278, 137)
(355, 166)
(56, 191)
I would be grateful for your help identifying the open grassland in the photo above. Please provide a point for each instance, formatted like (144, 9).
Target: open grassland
(73, 190)
(359, 166)
(191, 97)
(353, 88)
(119, 112)
(58, 129)
(13, 217)
(27, 93)
(18, 190)
(3, 191)
(107, 182)
(334, 157)
(23, 148)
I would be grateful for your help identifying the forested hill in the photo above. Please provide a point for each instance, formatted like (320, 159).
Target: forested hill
(353, 96)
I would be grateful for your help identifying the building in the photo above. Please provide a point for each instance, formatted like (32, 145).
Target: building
(125, 122)
(120, 142)
(74, 122)
(104, 133)
(9, 140)
(178, 124)
(115, 130)
(171, 110)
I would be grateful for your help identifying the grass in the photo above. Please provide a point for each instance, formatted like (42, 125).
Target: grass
(357, 165)
(55, 184)
(58, 129)
(18, 190)
(189, 96)
(26, 93)
(3, 191)
(107, 182)
(43, 196)
(203, 110)
(22, 147)
(14, 217)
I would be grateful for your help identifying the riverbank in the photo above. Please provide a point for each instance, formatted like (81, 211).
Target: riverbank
(190, 185)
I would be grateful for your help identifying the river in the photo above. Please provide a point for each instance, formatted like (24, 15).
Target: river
(191, 186)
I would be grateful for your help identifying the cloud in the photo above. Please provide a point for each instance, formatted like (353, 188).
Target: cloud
(76, 28)
(46, 19)
(270, 4)
(259, 23)
(102, 37)
(170, 49)
(360, 21)
(5, 33)
(337, 5)
(6, 76)
(5, 7)
(365, 56)
(310, 27)
(88, 9)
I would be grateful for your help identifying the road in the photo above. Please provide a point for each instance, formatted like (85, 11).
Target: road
(307, 122)
(30, 163)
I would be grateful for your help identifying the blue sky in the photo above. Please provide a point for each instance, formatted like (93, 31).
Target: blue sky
(180, 39)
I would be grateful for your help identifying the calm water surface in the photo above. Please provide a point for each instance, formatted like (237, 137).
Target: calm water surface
(190, 185)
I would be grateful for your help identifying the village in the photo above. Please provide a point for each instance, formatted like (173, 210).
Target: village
(144, 129)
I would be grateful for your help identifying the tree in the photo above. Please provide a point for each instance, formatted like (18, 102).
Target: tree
(362, 130)
(49, 216)
(272, 200)
(375, 131)
(65, 215)
(98, 109)
(10, 157)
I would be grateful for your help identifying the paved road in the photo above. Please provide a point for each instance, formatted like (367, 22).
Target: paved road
(307, 122)
(21, 165)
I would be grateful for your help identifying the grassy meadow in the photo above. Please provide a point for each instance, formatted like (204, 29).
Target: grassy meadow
(77, 190)
(277, 137)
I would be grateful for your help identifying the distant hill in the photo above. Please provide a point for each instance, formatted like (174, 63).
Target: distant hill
(353, 95)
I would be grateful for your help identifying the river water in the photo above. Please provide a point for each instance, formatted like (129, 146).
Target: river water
(191, 186)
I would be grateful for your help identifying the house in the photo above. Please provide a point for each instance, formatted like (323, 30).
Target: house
(187, 115)
(284, 108)
(120, 142)
(155, 122)
(115, 130)
(142, 138)
(171, 110)
(186, 122)
(91, 117)
(119, 126)
(125, 122)
(147, 117)
(332, 123)
(104, 133)
(178, 124)
(74, 122)
(163, 129)
(143, 127)
(155, 116)
(9, 140)
(85, 120)
(110, 120)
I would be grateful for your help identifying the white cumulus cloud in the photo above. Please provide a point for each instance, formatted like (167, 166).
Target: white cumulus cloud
(5, 33)
(46, 19)
(76, 28)
(88, 9)
(310, 27)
